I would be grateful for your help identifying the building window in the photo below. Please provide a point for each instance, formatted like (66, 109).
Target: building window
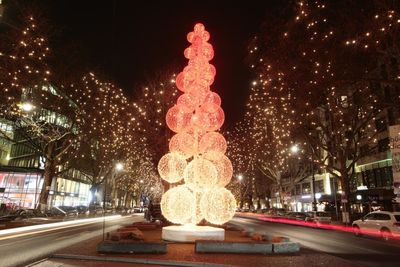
(370, 179)
(298, 189)
(306, 188)
(319, 186)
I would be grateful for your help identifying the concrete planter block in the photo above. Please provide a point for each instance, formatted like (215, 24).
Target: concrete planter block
(279, 239)
(204, 246)
(286, 247)
(246, 233)
(132, 247)
(145, 226)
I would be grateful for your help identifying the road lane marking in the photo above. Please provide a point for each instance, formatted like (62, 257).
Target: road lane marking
(35, 229)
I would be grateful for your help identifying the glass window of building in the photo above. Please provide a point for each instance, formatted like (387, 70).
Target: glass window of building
(306, 188)
(319, 186)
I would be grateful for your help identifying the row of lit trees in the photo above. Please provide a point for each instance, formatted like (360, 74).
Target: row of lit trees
(73, 122)
(325, 72)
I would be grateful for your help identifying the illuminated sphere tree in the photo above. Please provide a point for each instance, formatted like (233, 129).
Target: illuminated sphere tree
(197, 147)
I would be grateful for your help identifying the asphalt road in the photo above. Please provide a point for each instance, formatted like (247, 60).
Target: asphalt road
(362, 251)
(22, 249)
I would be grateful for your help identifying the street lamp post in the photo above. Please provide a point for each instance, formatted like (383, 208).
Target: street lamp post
(294, 149)
(314, 204)
(240, 178)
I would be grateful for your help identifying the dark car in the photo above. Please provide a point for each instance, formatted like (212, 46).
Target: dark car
(66, 211)
(153, 213)
(95, 209)
(21, 214)
(82, 209)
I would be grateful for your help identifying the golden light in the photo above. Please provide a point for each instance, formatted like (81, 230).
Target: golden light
(218, 205)
(183, 143)
(200, 173)
(171, 167)
(178, 205)
(27, 107)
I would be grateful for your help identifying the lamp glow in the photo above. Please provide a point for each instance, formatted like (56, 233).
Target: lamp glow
(27, 107)
(119, 166)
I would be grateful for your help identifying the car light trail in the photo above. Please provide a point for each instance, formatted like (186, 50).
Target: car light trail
(342, 228)
(34, 229)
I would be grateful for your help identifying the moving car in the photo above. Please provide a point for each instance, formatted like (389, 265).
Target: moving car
(384, 222)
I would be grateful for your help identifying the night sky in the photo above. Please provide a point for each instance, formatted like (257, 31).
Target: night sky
(131, 40)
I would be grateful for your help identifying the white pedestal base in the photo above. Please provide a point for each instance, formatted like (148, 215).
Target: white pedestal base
(191, 233)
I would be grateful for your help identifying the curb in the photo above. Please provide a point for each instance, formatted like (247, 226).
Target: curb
(140, 261)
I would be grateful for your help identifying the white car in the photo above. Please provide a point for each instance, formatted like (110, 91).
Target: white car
(385, 223)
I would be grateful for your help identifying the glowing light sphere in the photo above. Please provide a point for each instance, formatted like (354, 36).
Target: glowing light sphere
(171, 167)
(198, 215)
(212, 142)
(199, 27)
(178, 120)
(188, 102)
(224, 169)
(179, 81)
(200, 174)
(212, 98)
(184, 144)
(199, 93)
(211, 121)
(218, 205)
(178, 205)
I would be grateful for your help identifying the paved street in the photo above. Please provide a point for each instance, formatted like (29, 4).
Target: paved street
(360, 250)
(19, 249)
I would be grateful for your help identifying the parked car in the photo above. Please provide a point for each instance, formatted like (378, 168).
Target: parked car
(385, 222)
(297, 216)
(153, 213)
(96, 209)
(21, 214)
(137, 209)
(82, 209)
(66, 211)
(276, 212)
(319, 217)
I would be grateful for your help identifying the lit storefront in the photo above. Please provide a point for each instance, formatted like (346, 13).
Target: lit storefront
(66, 192)
(20, 189)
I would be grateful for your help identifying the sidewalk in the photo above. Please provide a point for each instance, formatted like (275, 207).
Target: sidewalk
(180, 254)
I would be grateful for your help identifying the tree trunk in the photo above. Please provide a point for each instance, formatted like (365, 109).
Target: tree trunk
(128, 200)
(344, 182)
(49, 173)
